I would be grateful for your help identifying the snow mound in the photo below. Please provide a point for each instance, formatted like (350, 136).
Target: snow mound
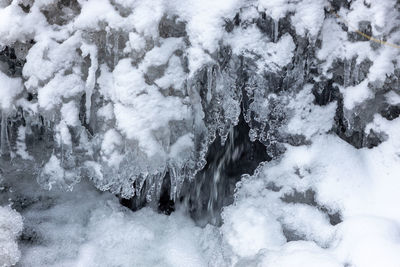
(91, 228)
(327, 204)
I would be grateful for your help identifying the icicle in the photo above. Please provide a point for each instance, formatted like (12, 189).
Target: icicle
(115, 49)
(209, 84)
(346, 73)
(90, 50)
(177, 176)
(107, 45)
(21, 145)
(276, 28)
(4, 135)
(173, 179)
(355, 76)
(150, 188)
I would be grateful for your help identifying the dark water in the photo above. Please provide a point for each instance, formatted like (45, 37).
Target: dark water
(214, 186)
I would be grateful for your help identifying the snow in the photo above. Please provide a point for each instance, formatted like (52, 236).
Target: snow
(160, 55)
(89, 228)
(140, 108)
(15, 25)
(94, 12)
(140, 84)
(146, 15)
(9, 89)
(205, 20)
(63, 135)
(70, 113)
(54, 175)
(136, 41)
(335, 44)
(309, 17)
(197, 58)
(276, 9)
(149, 111)
(157, 240)
(106, 112)
(369, 241)
(184, 144)
(62, 86)
(174, 75)
(299, 253)
(357, 94)
(383, 65)
(248, 229)
(308, 14)
(251, 42)
(310, 119)
(380, 14)
(109, 148)
(10, 229)
(392, 98)
(362, 190)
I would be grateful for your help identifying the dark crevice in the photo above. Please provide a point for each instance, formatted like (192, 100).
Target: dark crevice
(166, 205)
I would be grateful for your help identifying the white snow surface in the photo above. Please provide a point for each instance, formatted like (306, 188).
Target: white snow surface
(9, 89)
(360, 185)
(89, 228)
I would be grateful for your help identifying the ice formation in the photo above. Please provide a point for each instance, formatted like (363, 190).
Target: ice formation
(177, 99)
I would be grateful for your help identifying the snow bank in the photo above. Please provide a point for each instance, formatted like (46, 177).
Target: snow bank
(88, 228)
(327, 194)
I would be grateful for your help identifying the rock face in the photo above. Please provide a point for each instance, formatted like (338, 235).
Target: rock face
(130, 94)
